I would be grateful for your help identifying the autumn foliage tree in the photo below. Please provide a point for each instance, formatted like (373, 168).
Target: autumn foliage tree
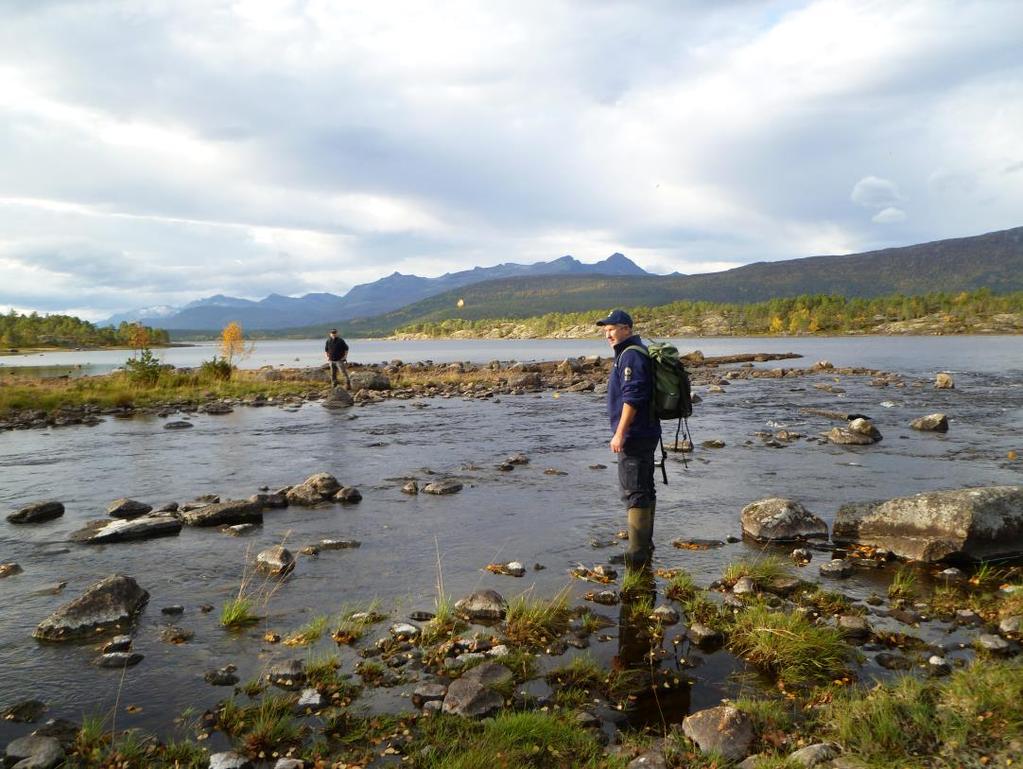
(232, 343)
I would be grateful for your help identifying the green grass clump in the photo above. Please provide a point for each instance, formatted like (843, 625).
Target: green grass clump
(534, 622)
(701, 609)
(271, 726)
(184, 754)
(583, 672)
(827, 602)
(761, 570)
(322, 670)
(903, 584)
(445, 622)
(354, 621)
(237, 613)
(521, 662)
(309, 633)
(789, 647)
(525, 740)
(681, 587)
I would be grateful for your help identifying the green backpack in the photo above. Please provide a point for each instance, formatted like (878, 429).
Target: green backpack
(672, 396)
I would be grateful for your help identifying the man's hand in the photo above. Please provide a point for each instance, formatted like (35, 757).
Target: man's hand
(628, 415)
(617, 443)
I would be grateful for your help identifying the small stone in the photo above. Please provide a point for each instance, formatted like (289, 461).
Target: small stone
(173, 611)
(744, 586)
(517, 459)
(938, 666)
(666, 615)
(443, 487)
(853, 626)
(801, 556)
(310, 699)
(515, 569)
(176, 635)
(275, 561)
(37, 512)
(9, 569)
(337, 544)
(127, 508)
(813, 755)
(839, 568)
(119, 643)
(704, 636)
(348, 495)
(992, 644)
(410, 487)
(428, 693)
(1011, 625)
(944, 381)
(229, 760)
(119, 660)
(24, 712)
(224, 676)
(403, 631)
(935, 423)
(288, 674)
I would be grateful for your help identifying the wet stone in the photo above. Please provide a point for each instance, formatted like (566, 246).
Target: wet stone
(37, 512)
(704, 636)
(425, 693)
(173, 611)
(443, 487)
(229, 760)
(348, 495)
(482, 604)
(938, 666)
(119, 660)
(993, 644)
(410, 487)
(119, 643)
(289, 674)
(891, 661)
(176, 635)
(34, 752)
(725, 730)
(224, 676)
(25, 712)
(127, 508)
(9, 569)
(838, 568)
(666, 615)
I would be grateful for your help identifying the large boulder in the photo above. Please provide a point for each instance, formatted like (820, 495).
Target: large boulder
(724, 730)
(111, 604)
(37, 512)
(224, 513)
(980, 524)
(781, 520)
(859, 432)
(369, 380)
(149, 526)
(127, 508)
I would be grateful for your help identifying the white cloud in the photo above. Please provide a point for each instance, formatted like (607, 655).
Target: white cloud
(890, 215)
(874, 192)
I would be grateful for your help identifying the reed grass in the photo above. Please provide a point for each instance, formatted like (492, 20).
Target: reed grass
(534, 621)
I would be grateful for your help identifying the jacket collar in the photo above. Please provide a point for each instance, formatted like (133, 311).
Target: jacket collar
(620, 347)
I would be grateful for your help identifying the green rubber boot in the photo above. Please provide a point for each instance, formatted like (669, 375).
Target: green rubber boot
(641, 537)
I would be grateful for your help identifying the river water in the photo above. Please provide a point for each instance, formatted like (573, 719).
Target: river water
(525, 515)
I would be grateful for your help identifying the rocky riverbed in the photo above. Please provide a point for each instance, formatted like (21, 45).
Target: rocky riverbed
(308, 512)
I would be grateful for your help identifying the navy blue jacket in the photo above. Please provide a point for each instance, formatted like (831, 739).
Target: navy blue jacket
(631, 382)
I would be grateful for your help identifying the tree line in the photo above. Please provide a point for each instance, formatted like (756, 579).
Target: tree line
(35, 330)
(805, 314)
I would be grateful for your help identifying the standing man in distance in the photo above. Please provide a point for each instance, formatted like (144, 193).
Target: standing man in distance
(635, 432)
(336, 352)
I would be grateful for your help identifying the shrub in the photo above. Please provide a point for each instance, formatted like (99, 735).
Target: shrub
(143, 370)
(217, 369)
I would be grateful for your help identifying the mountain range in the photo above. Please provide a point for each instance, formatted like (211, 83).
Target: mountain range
(277, 312)
(993, 260)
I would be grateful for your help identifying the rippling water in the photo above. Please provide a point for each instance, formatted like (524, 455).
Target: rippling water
(523, 515)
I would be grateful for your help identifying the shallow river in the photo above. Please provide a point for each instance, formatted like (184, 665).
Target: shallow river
(523, 515)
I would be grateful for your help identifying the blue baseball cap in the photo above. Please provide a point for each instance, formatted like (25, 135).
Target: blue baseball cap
(616, 318)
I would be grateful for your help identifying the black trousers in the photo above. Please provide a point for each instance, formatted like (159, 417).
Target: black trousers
(636, 472)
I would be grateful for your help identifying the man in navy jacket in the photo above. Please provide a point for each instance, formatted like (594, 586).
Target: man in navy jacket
(635, 432)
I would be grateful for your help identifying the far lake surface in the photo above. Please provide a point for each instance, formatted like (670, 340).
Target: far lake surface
(526, 515)
(916, 355)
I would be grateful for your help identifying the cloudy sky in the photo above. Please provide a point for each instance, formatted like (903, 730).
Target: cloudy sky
(154, 152)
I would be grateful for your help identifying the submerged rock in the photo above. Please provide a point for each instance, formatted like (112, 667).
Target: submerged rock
(443, 487)
(112, 603)
(781, 520)
(37, 512)
(944, 381)
(149, 526)
(338, 399)
(24, 712)
(9, 569)
(980, 524)
(224, 513)
(119, 660)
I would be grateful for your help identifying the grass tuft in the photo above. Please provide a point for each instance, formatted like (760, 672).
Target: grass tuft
(903, 584)
(790, 647)
(761, 570)
(534, 622)
(311, 632)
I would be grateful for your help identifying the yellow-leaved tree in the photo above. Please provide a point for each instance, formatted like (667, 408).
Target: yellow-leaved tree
(232, 343)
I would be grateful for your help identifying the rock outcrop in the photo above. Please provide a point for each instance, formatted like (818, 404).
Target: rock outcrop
(978, 524)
